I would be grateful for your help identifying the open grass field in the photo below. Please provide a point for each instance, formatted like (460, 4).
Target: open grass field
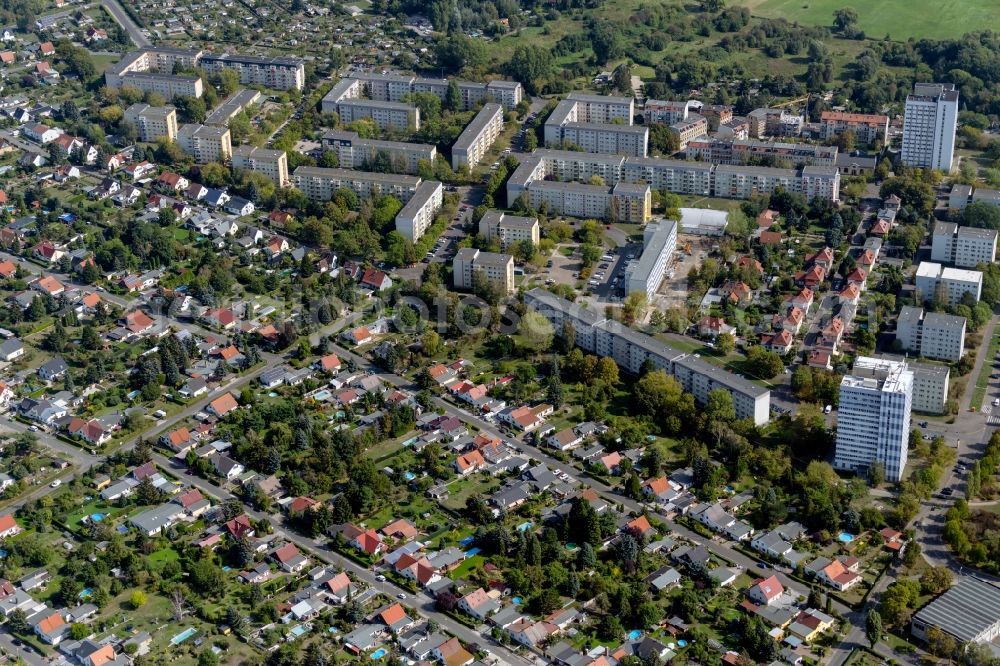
(900, 19)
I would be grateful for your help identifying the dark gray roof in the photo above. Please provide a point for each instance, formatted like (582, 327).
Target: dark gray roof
(965, 611)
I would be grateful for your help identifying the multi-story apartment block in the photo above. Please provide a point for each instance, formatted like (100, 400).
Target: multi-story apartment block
(659, 241)
(392, 87)
(205, 143)
(962, 195)
(631, 349)
(167, 85)
(278, 73)
(354, 152)
(681, 177)
(867, 127)
(152, 122)
(873, 424)
(947, 284)
(606, 139)
(774, 122)
(497, 269)
(668, 112)
(693, 127)
(385, 115)
(740, 151)
(271, 163)
(477, 137)
(930, 387)
(161, 60)
(929, 122)
(508, 229)
(965, 247)
(626, 202)
(320, 184)
(241, 100)
(417, 215)
(931, 334)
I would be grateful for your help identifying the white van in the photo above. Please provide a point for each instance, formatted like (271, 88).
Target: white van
(828, 409)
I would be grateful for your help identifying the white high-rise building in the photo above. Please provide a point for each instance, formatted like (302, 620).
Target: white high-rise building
(929, 123)
(874, 420)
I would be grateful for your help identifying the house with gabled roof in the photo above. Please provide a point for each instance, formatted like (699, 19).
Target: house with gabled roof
(766, 591)
(289, 558)
(395, 618)
(375, 279)
(478, 604)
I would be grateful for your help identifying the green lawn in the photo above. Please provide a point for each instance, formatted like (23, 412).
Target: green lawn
(983, 380)
(900, 19)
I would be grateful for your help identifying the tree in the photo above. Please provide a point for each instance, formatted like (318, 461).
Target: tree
(536, 332)
(458, 51)
(530, 65)
(844, 19)
(208, 658)
(764, 364)
(873, 627)
(725, 343)
(17, 622)
(453, 97)
(982, 214)
(78, 631)
(137, 599)
(935, 580)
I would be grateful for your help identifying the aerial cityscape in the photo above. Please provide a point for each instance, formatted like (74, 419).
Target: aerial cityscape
(499, 333)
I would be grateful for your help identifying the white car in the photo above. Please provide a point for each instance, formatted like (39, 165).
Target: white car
(56, 483)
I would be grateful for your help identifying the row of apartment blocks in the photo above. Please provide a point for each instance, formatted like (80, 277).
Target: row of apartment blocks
(392, 87)
(477, 137)
(965, 247)
(496, 268)
(597, 124)
(347, 100)
(241, 100)
(421, 199)
(744, 151)
(931, 334)
(548, 171)
(631, 349)
(354, 152)
(152, 70)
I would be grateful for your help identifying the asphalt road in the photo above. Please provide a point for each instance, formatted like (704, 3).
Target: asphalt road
(120, 15)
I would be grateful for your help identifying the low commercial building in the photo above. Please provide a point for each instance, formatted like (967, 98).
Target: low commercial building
(704, 221)
(319, 184)
(418, 214)
(153, 122)
(947, 284)
(241, 100)
(354, 152)
(868, 128)
(931, 334)
(930, 387)
(497, 269)
(271, 163)
(508, 229)
(477, 137)
(969, 612)
(966, 247)
(205, 143)
(278, 73)
(644, 275)
(631, 350)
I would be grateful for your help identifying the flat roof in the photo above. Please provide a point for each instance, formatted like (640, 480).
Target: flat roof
(730, 380)
(254, 151)
(909, 314)
(941, 320)
(568, 186)
(140, 108)
(476, 126)
(609, 127)
(197, 130)
(355, 140)
(376, 104)
(653, 249)
(350, 174)
(603, 99)
(421, 196)
(662, 162)
(755, 170)
(977, 233)
(928, 370)
(494, 216)
(232, 105)
(965, 611)
(577, 156)
(281, 61)
(160, 76)
(928, 269)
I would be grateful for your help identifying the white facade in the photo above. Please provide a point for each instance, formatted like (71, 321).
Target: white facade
(966, 247)
(659, 241)
(498, 269)
(930, 387)
(929, 123)
(205, 143)
(931, 334)
(320, 184)
(271, 163)
(874, 417)
(951, 283)
(477, 137)
(152, 122)
(278, 73)
(418, 214)
(354, 152)
(508, 229)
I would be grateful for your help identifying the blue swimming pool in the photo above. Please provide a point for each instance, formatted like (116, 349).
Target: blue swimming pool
(183, 636)
(466, 541)
(379, 653)
(525, 526)
(97, 517)
(321, 395)
(516, 600)
(845, 537)
(682, 643)
(86, 592)
(298, 630)
(409, 476)
(634, 634)
(471, 552)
